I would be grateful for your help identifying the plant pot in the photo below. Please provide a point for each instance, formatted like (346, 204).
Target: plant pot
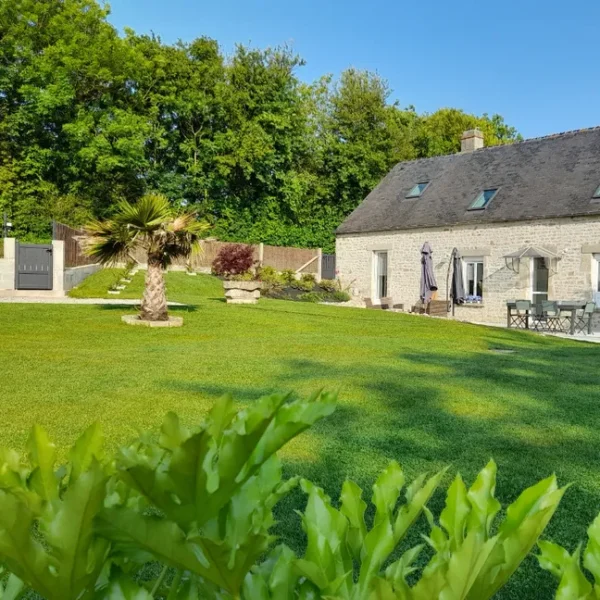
(242, 292)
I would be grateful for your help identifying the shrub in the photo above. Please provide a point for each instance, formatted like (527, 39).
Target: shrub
(269, 275)
(311, 297)
(197, 500)
(200, 501)
(309, 278)
(247, 276)
(271, 280)
(340, 296)
(232, 260)
(288, 276)
(330, 285)
(566, 567)
(470, 558)
(305, 286)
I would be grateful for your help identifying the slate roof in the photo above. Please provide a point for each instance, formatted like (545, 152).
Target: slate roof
(553, 176)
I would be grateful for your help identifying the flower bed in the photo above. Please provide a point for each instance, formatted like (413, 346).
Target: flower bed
(305, 289)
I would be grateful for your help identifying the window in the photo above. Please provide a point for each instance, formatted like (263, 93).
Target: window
(473, 279)
(596, 195)
(381, 275)
(417, 190)
(539, 281)
(596, 279)
(483, 199)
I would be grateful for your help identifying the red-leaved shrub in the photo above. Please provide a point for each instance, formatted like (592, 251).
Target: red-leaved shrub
(233, 259)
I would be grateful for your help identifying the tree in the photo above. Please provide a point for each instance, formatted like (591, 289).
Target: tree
(89, 118)
(441, 131)
(155, 227)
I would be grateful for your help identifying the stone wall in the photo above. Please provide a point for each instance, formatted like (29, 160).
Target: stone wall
(576, 240)
(75, 275)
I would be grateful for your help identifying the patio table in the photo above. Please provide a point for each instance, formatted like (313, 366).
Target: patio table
(570, 306)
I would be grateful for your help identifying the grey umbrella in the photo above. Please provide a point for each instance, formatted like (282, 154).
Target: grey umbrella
(458, 286)
(428, 283)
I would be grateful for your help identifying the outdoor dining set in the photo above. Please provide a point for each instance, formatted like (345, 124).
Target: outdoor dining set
(553, 316)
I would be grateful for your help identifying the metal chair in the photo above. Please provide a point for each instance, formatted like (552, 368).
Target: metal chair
(520, 318)
(549, 318)
(583, 319)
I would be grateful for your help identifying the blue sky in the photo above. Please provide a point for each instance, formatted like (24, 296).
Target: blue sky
(536, 63)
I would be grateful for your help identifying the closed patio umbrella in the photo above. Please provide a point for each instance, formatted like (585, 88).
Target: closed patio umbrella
(458, 286)
(428, 283)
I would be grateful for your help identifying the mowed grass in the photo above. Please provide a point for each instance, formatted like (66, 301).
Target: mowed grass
(425, 392)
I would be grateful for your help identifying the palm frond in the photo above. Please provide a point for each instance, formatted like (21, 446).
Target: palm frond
(182, 237)
(150, 224)
(109, 242)
(149, 213)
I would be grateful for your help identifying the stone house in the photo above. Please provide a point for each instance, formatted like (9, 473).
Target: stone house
(524, 217)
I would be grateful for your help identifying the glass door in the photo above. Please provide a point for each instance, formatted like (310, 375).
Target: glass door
(381, 275)
(539, 283)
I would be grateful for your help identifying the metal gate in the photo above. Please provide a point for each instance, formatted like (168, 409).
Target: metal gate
(328, 266)
(34, 267)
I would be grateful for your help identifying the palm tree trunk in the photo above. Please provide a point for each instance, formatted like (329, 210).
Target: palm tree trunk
(154, 302)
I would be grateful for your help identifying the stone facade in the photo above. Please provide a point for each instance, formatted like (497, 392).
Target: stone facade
(572, 277)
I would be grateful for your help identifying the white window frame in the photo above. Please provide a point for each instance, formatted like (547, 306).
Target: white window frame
(475, 260)
(595, 281)
(376, 298)
(532, 292)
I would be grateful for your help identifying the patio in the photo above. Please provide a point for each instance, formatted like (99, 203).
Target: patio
(573, 317)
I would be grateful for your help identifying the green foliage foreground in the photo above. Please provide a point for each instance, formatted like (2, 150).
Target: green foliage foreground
(200, 503)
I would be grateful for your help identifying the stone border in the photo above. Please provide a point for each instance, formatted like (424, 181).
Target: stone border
(135, 320)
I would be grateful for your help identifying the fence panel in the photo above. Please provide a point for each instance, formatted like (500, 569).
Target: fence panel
(278, 257)
(74, 255)
(281, 258)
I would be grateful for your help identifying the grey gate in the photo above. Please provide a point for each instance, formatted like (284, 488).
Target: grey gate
(34, 266)
(328, 266)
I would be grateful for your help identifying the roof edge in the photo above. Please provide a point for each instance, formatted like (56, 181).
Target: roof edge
(467, 224)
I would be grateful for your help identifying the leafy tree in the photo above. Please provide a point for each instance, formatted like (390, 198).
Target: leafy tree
(155, 227)
(441, 131)
(89, 118)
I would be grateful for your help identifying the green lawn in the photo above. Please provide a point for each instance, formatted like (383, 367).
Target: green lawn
(425, 392)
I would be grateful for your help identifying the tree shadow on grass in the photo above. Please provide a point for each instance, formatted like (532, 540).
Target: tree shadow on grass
(535, 411)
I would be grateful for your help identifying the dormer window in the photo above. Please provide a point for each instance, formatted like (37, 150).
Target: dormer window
(418, 190)
(483, 199)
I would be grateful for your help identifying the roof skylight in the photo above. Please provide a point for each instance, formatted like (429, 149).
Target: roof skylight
(483, 199)
(418, 190)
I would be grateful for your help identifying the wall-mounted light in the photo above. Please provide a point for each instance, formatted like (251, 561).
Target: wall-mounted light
(6, 226)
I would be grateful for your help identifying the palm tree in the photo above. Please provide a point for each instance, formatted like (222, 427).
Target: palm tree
(155, 227)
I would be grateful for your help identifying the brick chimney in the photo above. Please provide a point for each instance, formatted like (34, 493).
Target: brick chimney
(471, 140)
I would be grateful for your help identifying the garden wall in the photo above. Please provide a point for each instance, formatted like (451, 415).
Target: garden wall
(73, 276)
